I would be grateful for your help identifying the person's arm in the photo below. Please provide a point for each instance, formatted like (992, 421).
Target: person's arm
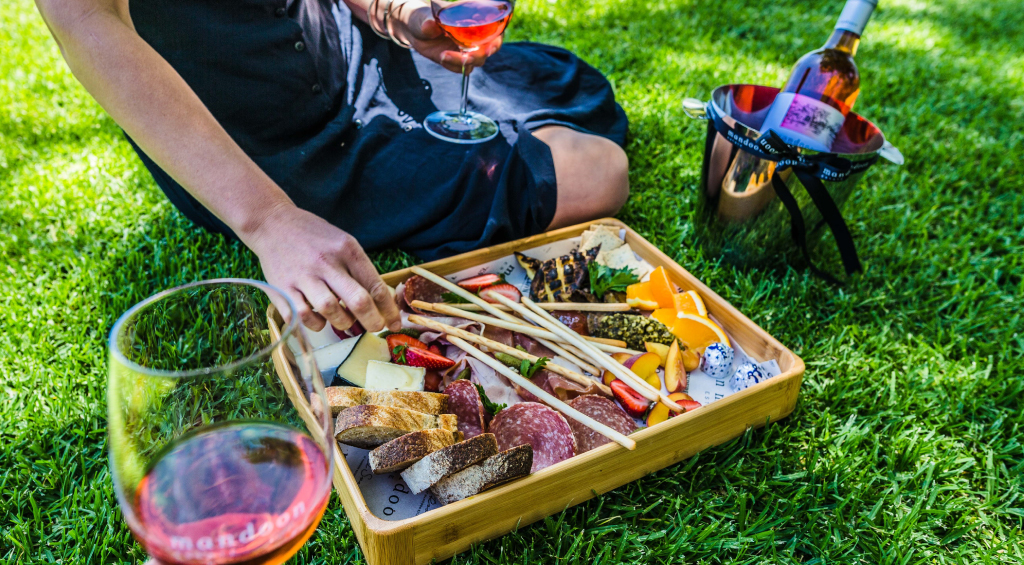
(313, 262)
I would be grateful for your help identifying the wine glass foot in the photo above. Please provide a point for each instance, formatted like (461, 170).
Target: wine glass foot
(471, 127)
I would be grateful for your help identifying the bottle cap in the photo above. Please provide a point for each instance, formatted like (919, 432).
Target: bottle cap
(855, 15)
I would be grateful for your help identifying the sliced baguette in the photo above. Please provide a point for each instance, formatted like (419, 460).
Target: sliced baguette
(342, 397)
(491, 472)
(368, 426)
(449, 460)
(403, 451)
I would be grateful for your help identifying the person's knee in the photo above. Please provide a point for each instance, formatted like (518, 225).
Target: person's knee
(592, 175)
(616, 178)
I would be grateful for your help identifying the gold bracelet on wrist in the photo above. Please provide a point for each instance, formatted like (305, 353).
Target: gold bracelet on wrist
(371, 11)
(387, 25)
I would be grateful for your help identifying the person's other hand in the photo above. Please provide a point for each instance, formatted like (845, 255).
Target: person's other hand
(323, 270)
(415, 24)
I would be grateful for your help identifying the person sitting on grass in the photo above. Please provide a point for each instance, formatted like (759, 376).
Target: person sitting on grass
(292, 126)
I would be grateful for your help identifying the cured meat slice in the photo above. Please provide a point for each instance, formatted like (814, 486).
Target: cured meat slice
(464, 402)
(532, 346)
(419, 288)
(545, 430)
(603, 410)
(500, 335)
(574, 320)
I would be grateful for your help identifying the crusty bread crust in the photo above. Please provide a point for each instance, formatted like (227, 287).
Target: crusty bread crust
(403, 451)
(368, 426)
(342, 397)
(491, 472)
(452, 459)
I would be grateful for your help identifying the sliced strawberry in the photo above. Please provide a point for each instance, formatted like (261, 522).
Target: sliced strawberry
(435, 348)
(394, 340)
(688, 404)
(504, 289)
(427, 359)
(631, 400)
(474, 284)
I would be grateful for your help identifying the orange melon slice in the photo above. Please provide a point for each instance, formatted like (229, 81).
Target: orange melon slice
(690, 302)
(662, 288)
(639, 296)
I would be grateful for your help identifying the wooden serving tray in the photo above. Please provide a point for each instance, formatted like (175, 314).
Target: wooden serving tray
(446, 531)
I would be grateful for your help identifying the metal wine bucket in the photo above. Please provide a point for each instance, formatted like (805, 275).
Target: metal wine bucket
(754, 205)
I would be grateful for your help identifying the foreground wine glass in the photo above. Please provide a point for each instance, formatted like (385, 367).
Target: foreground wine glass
(211, 461)
(471, 24)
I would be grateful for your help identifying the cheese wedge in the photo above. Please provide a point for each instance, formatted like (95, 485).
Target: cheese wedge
(370, 347)
(388, 376)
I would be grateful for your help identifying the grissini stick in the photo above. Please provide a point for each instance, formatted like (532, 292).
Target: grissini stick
(608, 345)
(569, 306)
(496, 346)
(604, 360)
(545, 320)
(541, 394)
(488, 307)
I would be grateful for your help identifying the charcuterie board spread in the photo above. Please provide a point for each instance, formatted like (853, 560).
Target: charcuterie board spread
(518, 364)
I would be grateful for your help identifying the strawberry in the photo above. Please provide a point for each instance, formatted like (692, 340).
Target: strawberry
(399, 343)
(504, 289)
(435, 348)
(474, 284)
(631, 400)
(688, 404)
(427, 359)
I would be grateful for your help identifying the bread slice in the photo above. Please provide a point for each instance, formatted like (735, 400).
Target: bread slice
(403, 451)
(452, 459)
(491, 472)
(342, 397)
(368, 426)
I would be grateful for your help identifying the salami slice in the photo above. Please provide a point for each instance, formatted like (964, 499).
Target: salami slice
(419, 288)
(602, 410)
(464, 402)
(545, 430)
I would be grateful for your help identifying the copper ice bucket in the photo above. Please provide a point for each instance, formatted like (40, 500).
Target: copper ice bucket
(792, 192)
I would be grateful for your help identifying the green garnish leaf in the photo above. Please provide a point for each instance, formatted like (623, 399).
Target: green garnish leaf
(528, 369)
(604, 279)
(399, 353)
(452, 298)
(489, 406)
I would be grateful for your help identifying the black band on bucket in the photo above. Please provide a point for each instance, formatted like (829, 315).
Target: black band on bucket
(810, 170)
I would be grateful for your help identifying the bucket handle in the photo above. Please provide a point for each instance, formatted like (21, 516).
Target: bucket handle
(695, 108)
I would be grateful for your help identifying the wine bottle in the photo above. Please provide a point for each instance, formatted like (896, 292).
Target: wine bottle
(810, 110)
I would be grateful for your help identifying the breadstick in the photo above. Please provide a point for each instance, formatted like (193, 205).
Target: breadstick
(609, 345)
(488, 307)
(541, 394)
(518, 354)
(567, 306)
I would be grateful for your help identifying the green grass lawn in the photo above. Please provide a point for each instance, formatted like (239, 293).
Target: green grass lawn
(906, 444)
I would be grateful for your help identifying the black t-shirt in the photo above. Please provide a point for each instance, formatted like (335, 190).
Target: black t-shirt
(241, 55)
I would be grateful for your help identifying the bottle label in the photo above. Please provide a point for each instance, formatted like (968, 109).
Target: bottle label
(803, 121)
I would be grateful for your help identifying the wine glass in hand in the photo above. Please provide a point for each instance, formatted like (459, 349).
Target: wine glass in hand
(472, 25)
(209, 449)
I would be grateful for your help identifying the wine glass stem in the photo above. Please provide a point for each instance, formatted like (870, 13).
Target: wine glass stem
(465, 85)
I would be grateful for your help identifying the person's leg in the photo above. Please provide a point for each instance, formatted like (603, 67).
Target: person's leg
(591, 172)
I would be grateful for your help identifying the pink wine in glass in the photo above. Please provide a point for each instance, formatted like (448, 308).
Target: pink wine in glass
(244, 492)
(472, 23)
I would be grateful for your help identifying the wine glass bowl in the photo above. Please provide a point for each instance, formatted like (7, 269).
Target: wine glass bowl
(211, 460)
(470, 24)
